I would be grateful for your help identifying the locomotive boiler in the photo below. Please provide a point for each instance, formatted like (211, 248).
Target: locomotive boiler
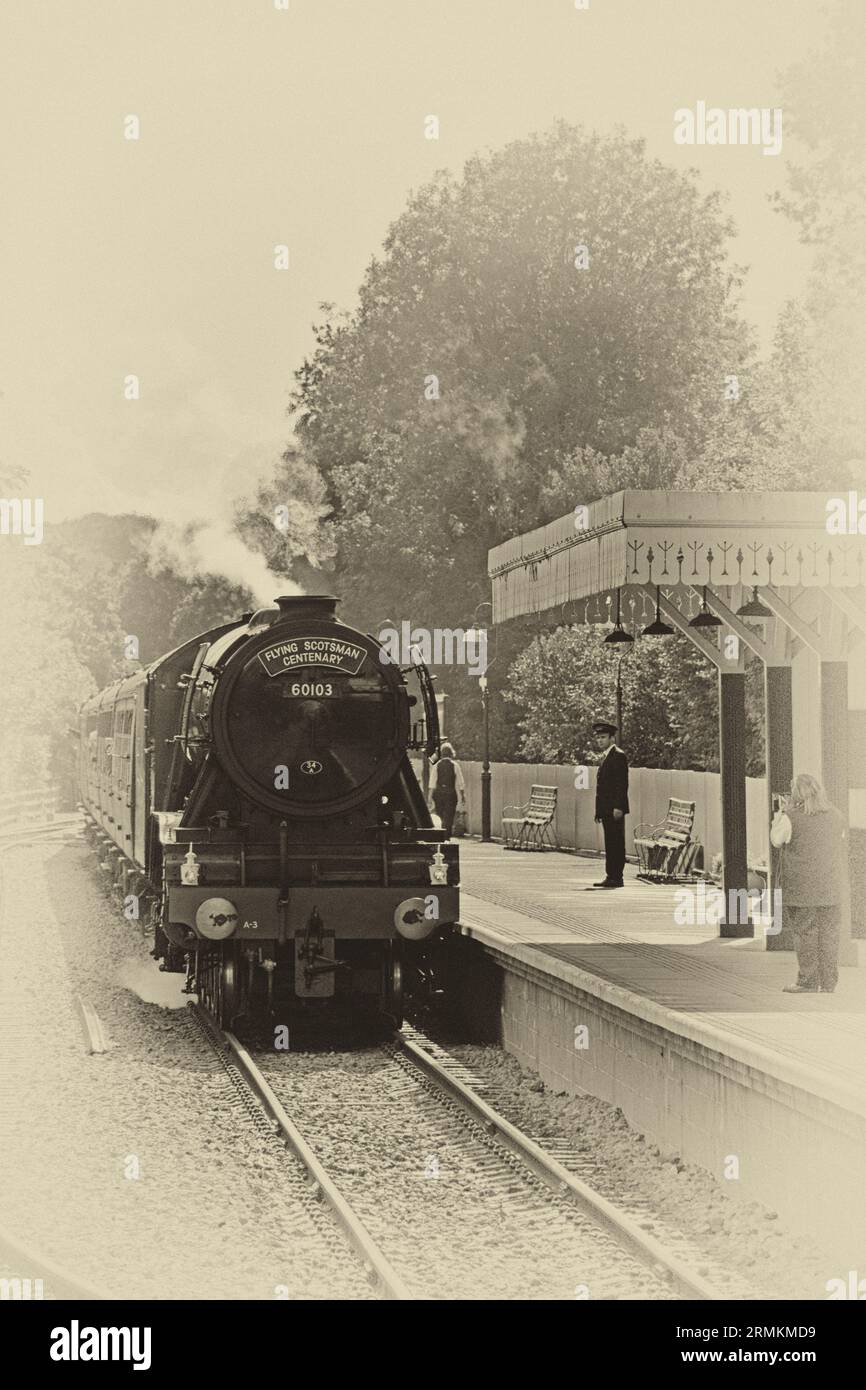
(253, 798)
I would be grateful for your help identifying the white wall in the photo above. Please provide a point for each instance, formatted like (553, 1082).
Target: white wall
(649, 792)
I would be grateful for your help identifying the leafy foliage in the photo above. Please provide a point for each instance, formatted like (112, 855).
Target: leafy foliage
(486, 383)
(68, 607)
(624, 362)
(815, 409)
(826, 186)
(109, 576)
(567, 678)
(44, 677)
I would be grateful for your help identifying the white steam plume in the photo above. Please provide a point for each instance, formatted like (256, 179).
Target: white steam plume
(199, 535)
(197, 548)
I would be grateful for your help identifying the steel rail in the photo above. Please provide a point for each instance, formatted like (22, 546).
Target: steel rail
(12, 836)
(558, 1178)
(372, 1256)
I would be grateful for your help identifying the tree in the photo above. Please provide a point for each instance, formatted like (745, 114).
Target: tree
(120, 585)
(44, 676)
(827, 121)
(814, 407)
(13, 479)
(565, 679)
(443, 415)
(69, 607)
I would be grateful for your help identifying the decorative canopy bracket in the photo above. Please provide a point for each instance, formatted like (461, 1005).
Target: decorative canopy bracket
(717, 655)
(766, 651)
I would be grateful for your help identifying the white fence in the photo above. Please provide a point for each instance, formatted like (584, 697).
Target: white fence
(649, 791)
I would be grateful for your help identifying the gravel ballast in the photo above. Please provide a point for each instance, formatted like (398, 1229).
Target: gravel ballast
(138, 1170)
(455, 1215)
(742, 1238)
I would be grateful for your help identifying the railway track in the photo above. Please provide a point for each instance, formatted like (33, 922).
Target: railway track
(297, 1252)
(437, 1193)
(606, 1181)
(573, 1176)
(59, 830)
(248, 1091)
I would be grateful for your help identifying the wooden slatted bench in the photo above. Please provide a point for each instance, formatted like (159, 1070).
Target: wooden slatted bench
(667, 852)
(531, 826)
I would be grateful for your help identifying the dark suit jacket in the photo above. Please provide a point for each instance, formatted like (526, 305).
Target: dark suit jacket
(611, 787)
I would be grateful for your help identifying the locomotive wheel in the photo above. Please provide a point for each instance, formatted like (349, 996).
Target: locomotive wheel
(208, 984)
(228, 991)
(392, 985)
(203, 982)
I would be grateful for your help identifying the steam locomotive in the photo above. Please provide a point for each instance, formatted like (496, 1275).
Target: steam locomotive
(252, 796)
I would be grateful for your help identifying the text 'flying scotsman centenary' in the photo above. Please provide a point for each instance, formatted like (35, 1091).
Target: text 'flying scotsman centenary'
(312, 651)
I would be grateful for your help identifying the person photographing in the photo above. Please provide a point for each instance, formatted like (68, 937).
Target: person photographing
(812, 837)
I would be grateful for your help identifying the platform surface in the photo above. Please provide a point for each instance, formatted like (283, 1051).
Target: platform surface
(626, 945)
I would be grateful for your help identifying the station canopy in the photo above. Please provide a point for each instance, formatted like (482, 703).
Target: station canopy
(681, 541)
(703, 561)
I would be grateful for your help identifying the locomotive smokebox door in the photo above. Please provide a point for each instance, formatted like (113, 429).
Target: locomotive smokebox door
(314, 963)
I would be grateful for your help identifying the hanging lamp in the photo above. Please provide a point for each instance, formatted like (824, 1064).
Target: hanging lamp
(658, 628)
(705, 618)
(619, 633)
(754, 608)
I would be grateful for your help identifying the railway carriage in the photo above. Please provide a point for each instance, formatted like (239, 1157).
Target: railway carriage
(253, 796)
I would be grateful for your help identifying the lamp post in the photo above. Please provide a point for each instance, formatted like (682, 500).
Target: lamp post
(485, 766)
(619, 637)
(485, 715)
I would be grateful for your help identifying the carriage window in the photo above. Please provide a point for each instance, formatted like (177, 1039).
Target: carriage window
(122, 749)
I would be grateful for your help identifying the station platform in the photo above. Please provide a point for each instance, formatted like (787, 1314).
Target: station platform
(691, 1035)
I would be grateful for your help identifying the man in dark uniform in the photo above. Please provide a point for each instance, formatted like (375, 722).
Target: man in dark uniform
(611, 802)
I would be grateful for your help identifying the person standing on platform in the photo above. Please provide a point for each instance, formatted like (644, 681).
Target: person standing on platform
(611, 802)
(813, 839)
(447, 787)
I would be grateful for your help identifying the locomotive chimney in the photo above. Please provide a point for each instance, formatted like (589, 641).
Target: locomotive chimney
(293, 607)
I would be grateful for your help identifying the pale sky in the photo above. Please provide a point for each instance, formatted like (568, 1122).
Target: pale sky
(306, 127)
